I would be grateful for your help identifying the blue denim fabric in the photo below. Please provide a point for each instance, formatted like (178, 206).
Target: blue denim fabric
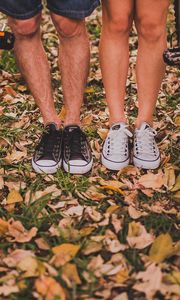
(25, 9)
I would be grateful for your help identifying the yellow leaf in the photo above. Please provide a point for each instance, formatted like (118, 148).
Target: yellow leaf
(174, 277)
(169, 177)
(112, 188)
(14, 197)
(90, 90)
(69, 249)
(161, 248)
(177, 120)
(62, 113)
(86, 231)
(111, 209)
(177, 185)
(122, 276)
(70, 275)
(3, 227)
(176, 197)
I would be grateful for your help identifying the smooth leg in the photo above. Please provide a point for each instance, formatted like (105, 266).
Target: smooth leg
(114, 54)
(150, 20)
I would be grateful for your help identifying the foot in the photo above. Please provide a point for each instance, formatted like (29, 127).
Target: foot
(77, 157)
(48, 154)
(115, 154)
(146, 153)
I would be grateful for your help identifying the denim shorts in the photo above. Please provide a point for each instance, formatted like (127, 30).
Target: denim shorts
(26, 9)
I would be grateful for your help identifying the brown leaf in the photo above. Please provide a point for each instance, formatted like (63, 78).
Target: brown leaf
(138, 237)
(19, 233)
(150, 180)
(49, 288)
(70, 275)
(3, 227)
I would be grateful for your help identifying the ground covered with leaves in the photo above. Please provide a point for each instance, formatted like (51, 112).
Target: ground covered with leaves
(107, 235)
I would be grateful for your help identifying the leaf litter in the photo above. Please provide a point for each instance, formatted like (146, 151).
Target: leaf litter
(106, 235)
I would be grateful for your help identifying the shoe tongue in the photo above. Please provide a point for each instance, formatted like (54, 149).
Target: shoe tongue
(117, 126)
(144, 126)
(70, 128)
(51, 126)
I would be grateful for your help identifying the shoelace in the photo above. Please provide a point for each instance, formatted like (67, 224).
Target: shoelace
(145, 142)
(75, 140)
(48, 142)
(118, 141)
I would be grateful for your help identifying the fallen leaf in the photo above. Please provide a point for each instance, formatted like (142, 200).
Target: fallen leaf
(49, 288)
(161, 248)
(19, 233)
(177, 184)
(87, 120)
(70, 275)
(138, 237)
(69, 249)
(150, 180)
(3, 227)
(14, 197)
(151, 281)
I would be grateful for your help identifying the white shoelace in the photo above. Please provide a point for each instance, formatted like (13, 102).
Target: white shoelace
(145, 141)
(117, 140)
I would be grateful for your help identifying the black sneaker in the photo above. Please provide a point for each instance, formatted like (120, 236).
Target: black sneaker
(77, 157)
(48, 154)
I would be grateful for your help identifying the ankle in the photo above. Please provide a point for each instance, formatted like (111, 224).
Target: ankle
(113, 121)
(140, 121)
(56, 121)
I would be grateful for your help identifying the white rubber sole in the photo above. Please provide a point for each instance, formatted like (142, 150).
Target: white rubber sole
(114, 166)
(46, 169)
(148, 165)
(72, 169)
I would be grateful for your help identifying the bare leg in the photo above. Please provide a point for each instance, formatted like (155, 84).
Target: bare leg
(74, 59)
(33, 64)
(114, 54)
(150, 19)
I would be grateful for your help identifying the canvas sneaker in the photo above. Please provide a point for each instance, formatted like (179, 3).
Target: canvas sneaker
(77, 156)
(115, 153)
(146, 154)
(48, 153)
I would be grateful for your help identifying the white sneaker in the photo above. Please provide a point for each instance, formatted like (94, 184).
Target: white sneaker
(146, 153)
(115, 154)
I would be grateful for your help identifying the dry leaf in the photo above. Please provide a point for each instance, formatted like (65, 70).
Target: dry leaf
(19, 233)
(151, 278)
(69, 249)
(177, 185)
(14, 197)
(49, 288)
(70, 275)
(161, 248)
(138, 237)
(150, 180)
(3, 227)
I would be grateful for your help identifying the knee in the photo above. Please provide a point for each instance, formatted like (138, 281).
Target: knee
(23, 28)
(151, 31)
(68, 28)
(118, 25)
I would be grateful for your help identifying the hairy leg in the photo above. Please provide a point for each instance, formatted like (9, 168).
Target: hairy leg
(33, 64)
(74, 57)
(150, 20)
(114, 53)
